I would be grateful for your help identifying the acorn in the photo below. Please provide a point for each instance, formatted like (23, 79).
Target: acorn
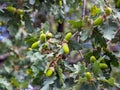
(65, 48)
(98, 21)
(68, 36)
(11, 9)
(42, 37)
(35, 45)
(49, 72)
(88, 75)
(103, 65)
(29, 49)
(49, 35)
(20, 11)
(60, 3)
(92, 59)
(108, 10)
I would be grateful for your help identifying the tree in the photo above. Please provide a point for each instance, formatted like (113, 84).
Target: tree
(58, 44)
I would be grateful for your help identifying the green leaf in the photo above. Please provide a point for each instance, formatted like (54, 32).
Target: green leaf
(113, 59)
(95, 10)
(8, 42)
(15, 82)
(28, 23)
(73, 45)
(45, 87)
(35, 56)
(88, 86)
(13, 29)
(47, 82)
(96, 68)
(24, 84)
(46, 27)
(35, 70)
(84, 35)
(30, 39)
(109, 29)
(98, 37)
(7, 85)
(8, 68)
(76, 24)
(60, 74)
(79, 68)
(111, 81)
(4, 18)
(83, 85)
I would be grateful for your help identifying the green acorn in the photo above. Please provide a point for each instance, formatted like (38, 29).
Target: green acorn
(20, 11)
(35, 45)
(29, 49)
(103, 65)
(49, 72)
(92, 59)
(11, 9)
(68, 36)
(60, 3)
(49, 35)
(42, 37)
(98, 21)
(88, 75)
(65, 48)
(108, 10)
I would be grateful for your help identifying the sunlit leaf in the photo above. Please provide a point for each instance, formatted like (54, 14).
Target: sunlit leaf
(95, 10)
(76, 24)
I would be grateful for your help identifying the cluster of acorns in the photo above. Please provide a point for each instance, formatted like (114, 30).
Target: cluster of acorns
(65, 46)
(14, 10)
(96, 22)
(100, 19)
(43, 37)
(102, 65)
(65, 49)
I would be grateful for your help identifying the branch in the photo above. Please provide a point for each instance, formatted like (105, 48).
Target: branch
(4, 56)
(83, 9)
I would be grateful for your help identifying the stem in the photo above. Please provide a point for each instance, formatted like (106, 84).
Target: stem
(83, 9)
(117, 31)
(54, 63)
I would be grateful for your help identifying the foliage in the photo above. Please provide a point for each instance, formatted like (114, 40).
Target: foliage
(40, 56)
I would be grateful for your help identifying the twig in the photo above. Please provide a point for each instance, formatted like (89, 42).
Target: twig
(117, 31)
(106, 2)
(54, 63)
(4, 56)
(83, 9)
